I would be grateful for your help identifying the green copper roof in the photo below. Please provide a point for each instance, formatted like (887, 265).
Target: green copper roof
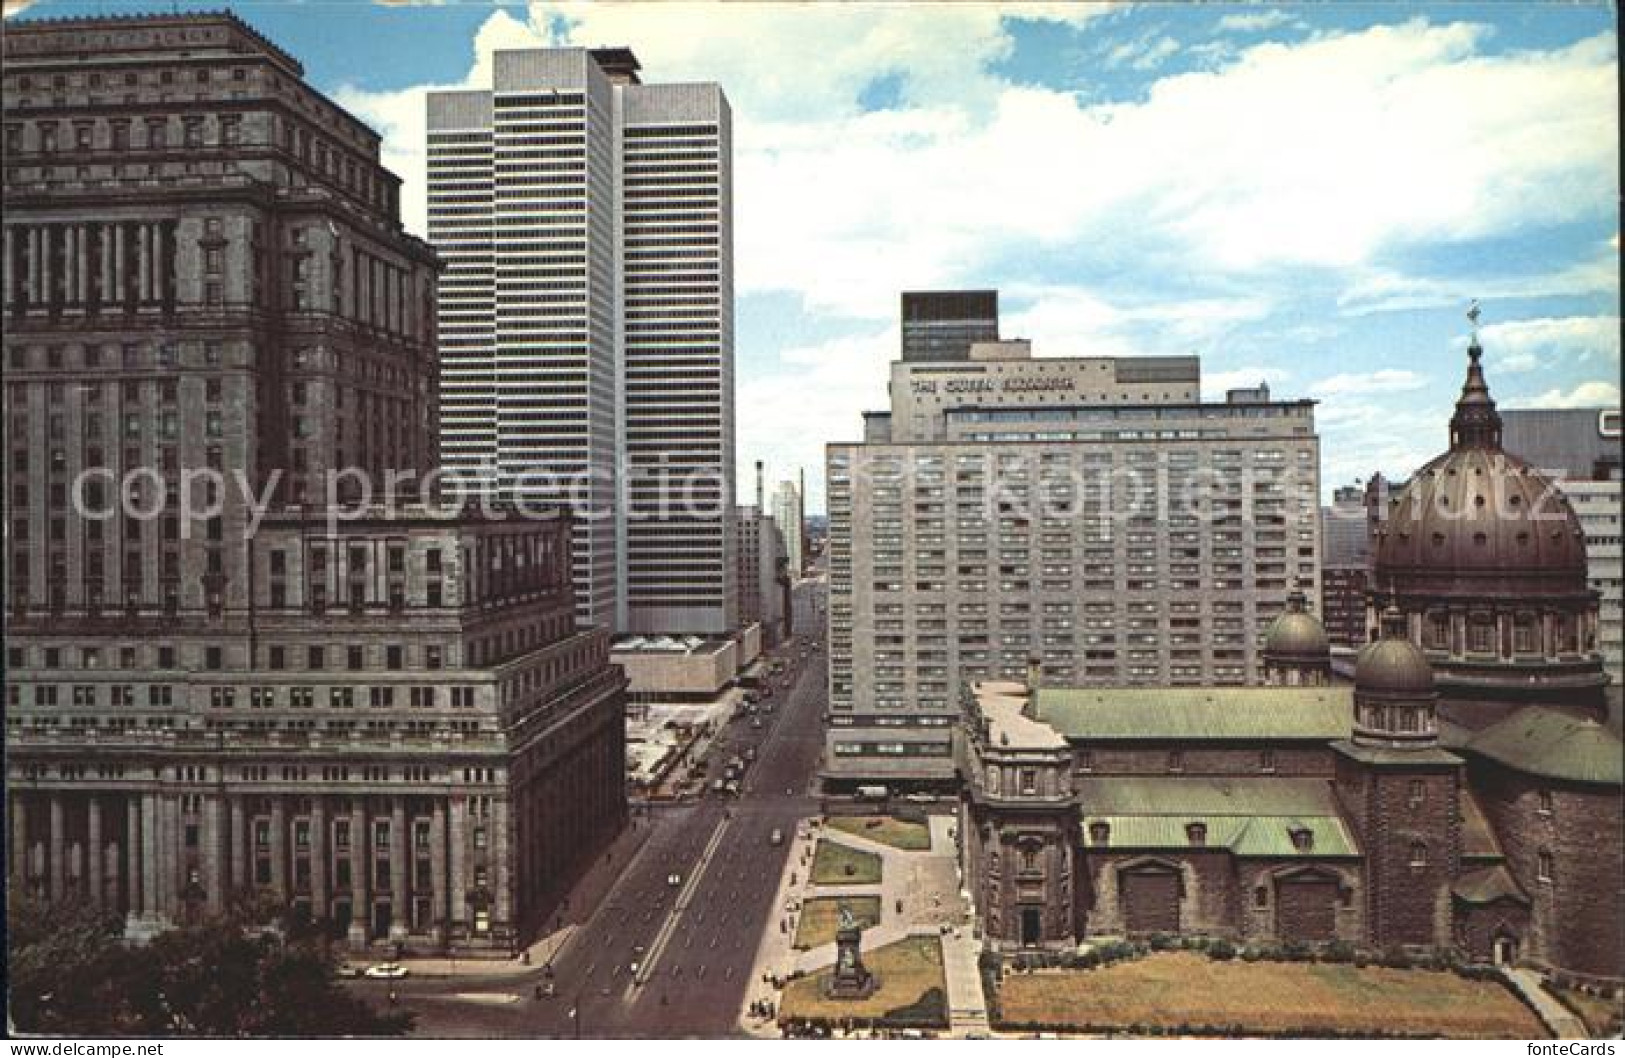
(1248, 817)
(1545, 742)
(1197, 713)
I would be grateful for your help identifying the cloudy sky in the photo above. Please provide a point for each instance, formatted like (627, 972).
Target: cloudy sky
(1306, 195)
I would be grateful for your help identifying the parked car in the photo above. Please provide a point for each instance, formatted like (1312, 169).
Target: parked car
(389, 971)
(776, 838)
(674, 879)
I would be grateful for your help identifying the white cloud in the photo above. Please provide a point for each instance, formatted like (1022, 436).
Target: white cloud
(1546, 342)
(1378, 289)
(1215, 383)
(1255, 22)
(1584, 395)
(1386, 380)
(785, 418)
(1146, 52)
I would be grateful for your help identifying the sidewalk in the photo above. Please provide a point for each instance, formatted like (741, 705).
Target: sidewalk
(588, 892)
(1557, 1017)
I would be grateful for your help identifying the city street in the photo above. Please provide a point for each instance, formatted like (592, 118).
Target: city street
(657, 958)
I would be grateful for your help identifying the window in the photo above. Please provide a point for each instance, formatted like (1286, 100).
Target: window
(1419, 854)
(1196, 833)
(1545, 801)
(1029, 781)
(1099, 833)
(1261, 896)
(1417, 792)
(1176, 761)
(1543, 869)
(1266, 760)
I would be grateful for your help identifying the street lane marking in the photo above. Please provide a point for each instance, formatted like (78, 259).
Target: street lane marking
(658, 948)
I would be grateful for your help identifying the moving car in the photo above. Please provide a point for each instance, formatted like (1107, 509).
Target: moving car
(776, 838)
(674, 879)
(386, 970)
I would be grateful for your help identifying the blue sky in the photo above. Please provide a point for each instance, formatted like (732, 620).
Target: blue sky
(1304, 194)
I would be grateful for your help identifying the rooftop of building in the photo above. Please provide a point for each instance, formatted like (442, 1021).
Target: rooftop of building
(684, 645)
(1002, 704)
(49, 36)
(1197, 714)
(1554, 745)
(1248, 817)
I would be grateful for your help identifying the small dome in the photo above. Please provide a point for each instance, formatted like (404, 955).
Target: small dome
(1296, 633)
(1393, 664)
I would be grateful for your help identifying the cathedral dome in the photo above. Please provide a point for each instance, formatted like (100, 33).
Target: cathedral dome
(1296, 633)
(1392, 665)
(1477, 521)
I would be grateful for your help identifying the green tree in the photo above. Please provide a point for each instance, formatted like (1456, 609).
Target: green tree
(72, 973)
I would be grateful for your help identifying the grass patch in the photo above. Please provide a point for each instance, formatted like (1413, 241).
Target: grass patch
(1190, 992)
(898, 833)
(1602, 1016)
(910, 971)
(821, 914)
(837, 864)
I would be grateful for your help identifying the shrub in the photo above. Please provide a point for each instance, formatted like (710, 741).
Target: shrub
(1296, 951)
(1221, 949)
(1395, 958)
(1163, 941)
(1337, 951)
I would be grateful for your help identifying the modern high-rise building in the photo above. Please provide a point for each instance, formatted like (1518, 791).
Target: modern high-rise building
(1088, 519)
(586, 309)
(942, 324)
(1579, 449)
(381, 714)
(791, 517)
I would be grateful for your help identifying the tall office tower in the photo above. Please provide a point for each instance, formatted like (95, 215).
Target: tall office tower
(791, 517)
(942, 324)
(761, 557)
(1088, 515)
(1579, 448)
(1345, 566)
(382, 715)
(587, 308)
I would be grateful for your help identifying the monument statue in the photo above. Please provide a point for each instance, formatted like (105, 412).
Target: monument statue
(851, 979)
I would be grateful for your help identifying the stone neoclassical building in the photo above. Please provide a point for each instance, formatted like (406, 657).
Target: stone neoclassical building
(382, 715)
(1463, 794)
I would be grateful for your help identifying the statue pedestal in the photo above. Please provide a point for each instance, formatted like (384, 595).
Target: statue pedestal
(851, 979)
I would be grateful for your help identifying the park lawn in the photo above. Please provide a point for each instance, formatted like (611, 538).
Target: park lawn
(898, 833)
(1186, 989)
(821, 914)
(908, 970)
(837, 864)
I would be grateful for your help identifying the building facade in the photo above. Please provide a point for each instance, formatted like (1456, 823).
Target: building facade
(791, 518)
(229, 667)
(1579, 449)
(1345, 567)
(1119, 540)
(587, 311)
(763, 573)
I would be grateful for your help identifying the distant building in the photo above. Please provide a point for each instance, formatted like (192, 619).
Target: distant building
(1580, 449)
(762, 564)
(1345, 566)
(1090, 513)
(791, 518)
(942, 324)
(386, 719)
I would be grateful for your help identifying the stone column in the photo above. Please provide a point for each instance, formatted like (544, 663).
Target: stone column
(18, 839)
(360, 913)
(499, 845)
(279, 849)
(70, 260)
(81, 242)
(214, 865)
(437, 871)
(95, 851)
(318, 859)
(109, 287)
(57, 861)
(121, 265)
(46, 277)
(132, 851)
(398, 862)
(458, 837)
(237, 841)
